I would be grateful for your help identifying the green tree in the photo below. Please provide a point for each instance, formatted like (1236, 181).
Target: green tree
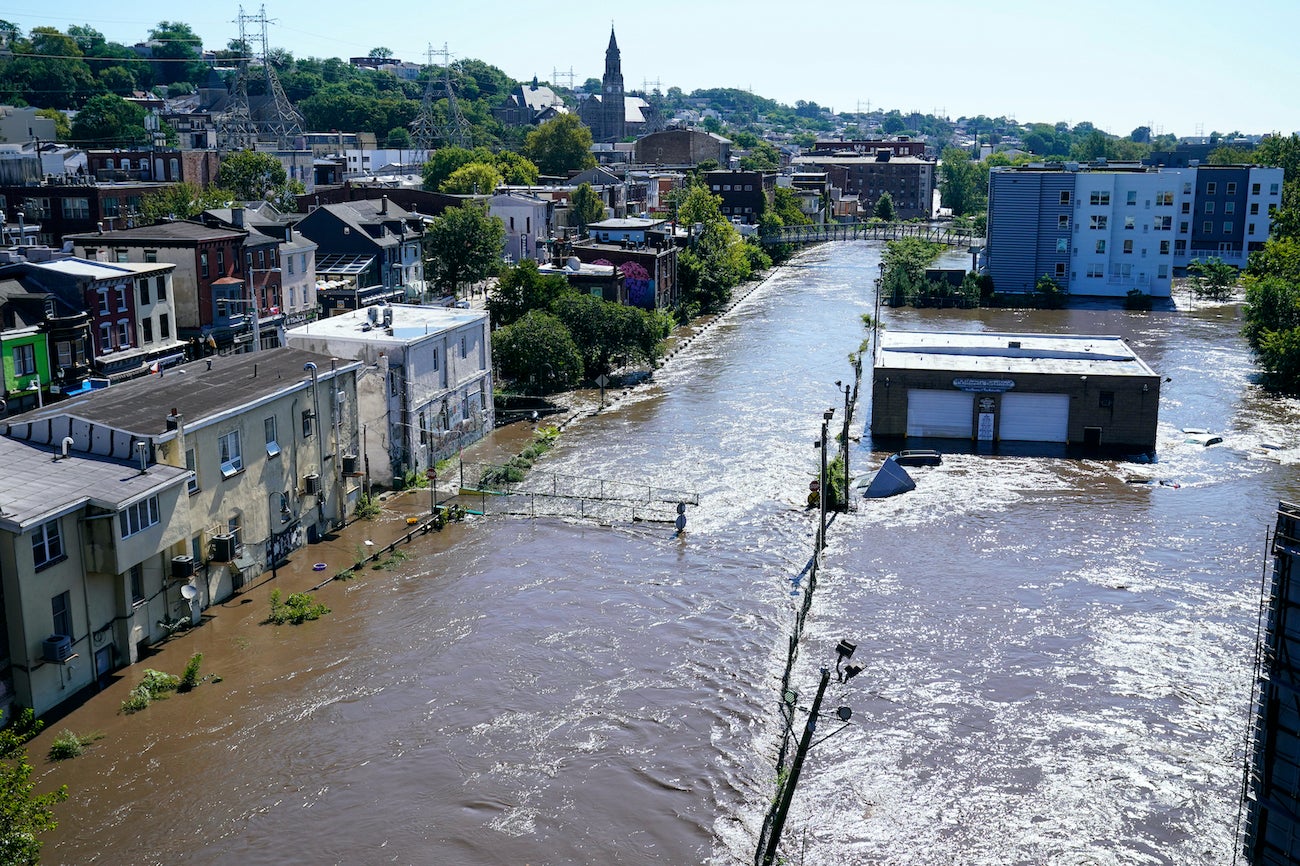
(108, 121)
(520, 290)
(761, 157)
(399, 137)
(381, 53)
(24, 815)
(607, 334)
(446, 160)
(476, 178)
(182, 201)
(252, 176)
(62, 126)
(1212, 278)
(884, 209)
(1272, 306)
(537, 353)
(560, 145)
(515, 169)
(1049, 293)
(963, 183)
(586, 206)
(464, 245)
(179, 47)
(47, 70)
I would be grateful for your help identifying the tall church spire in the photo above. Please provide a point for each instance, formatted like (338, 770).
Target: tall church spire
(613, 63)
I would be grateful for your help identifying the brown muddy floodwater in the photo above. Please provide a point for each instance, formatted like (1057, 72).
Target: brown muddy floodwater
(1058, 659)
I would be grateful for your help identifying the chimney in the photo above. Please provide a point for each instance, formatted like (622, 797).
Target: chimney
(237, 216)
(383, 204)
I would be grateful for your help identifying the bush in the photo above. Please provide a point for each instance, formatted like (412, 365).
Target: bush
(69, 745)
(1137, 300)
(154, 687)
(299, 608)
(368, 508)
(190, 678)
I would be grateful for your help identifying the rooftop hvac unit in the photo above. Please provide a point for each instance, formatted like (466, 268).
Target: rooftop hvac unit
(182, 567)
(311, 484)
(223, 548)
(56, 648)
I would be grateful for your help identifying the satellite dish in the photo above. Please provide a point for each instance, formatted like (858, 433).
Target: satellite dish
(190, 592)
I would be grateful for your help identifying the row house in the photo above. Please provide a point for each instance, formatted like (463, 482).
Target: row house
(377, 243)
(527, 221)
(745, 194)
(210, 297)
(68, 208)
(204, 476)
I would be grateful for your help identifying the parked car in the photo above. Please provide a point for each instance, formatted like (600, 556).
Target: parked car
(918, 457)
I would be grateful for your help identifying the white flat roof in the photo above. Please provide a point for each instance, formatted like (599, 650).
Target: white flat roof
(1002, 353)
(410, 323)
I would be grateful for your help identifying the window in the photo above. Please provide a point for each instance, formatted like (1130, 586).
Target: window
(1162, 272)
(139, 517)
(1101, 246)
(161, 288)
(232, 461)
(1060, 269)
(307, 417)
(435, 360)
(63, 349)
(1231, 187)
(110, 206)
(1096, 271)
(124, 333)
(1164, 223)
(137, 584)
(1062, 245)
(1131, 197)
(164, 328)
(47, 546)
(1182, 227)
(1187, 207)
(1209, 207)
(192, 464)
(1097, 222)
(272, 443)
(1130, 223)
(1065, 196)
(1180, 247)
(221, 262)
(1254, 208)
(1128, 247)
(1063, 222)
(103, 301)
(235, 526)
(151, 256)
(1211, 188)
(1165, 199)
(203, 264)
(25, 360)
(1099, 197)
(1254, 189)
(146, 327)
(105, 337)
(1229, 207)
(123, 256)
(76, 208)
(1227, 227)
(1164, 248)
(1250, 228)
(1207, 227)
(464, 350)
(61, 613)
(144, 292)
(289, 261)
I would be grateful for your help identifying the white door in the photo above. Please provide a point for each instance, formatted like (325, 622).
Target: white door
(1035, 417)
(940, 414)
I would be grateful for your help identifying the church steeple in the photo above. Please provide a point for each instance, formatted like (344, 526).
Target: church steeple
(613, 65)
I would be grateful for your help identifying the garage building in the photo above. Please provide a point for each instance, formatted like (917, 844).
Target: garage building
(987, 387)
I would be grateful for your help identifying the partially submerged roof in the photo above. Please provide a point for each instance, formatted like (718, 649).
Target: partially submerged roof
(1003, 353)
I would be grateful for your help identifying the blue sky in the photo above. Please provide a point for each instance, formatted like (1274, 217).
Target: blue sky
(1195, 66)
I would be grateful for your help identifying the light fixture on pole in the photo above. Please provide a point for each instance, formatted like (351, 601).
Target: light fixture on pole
(822, 491)
(847, 389)
(255, 303)
(844, 673)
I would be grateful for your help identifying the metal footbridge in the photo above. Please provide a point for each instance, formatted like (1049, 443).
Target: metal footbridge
(860, 231)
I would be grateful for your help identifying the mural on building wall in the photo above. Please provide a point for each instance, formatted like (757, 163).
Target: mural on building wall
(640, 288)
(284, 543)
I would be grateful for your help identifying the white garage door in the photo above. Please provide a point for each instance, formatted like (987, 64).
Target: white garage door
(1035, 417)
(941, 414)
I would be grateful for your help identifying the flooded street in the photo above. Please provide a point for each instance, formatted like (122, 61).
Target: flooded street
(1058, 659)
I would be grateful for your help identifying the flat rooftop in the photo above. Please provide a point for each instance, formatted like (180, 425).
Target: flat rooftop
(36, 487)
(1002, 353)
(410, 323)
(141, 406)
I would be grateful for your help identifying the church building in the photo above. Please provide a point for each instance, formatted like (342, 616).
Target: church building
(612, 115)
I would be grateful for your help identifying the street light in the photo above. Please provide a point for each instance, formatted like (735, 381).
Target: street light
(844, 673)
(821, 490)
(847, 389)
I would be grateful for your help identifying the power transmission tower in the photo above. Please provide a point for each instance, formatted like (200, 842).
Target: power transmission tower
(456, 132)
(424, 129)
(646, 82)
(281, 122)
(558, 75)
(235, 129)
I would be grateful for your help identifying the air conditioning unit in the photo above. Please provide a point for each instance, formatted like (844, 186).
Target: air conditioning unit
(350, 464)
(223, 548)
(311, 484)
(182, 567)
(56, 648)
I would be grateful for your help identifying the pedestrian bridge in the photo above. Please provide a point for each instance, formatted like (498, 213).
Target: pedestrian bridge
(860, 231)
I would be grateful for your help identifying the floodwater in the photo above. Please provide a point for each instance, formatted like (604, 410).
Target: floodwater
(1058, 659)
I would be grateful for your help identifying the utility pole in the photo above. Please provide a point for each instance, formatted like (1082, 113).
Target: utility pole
(822, 491)
(787, 790)
(847, 390)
